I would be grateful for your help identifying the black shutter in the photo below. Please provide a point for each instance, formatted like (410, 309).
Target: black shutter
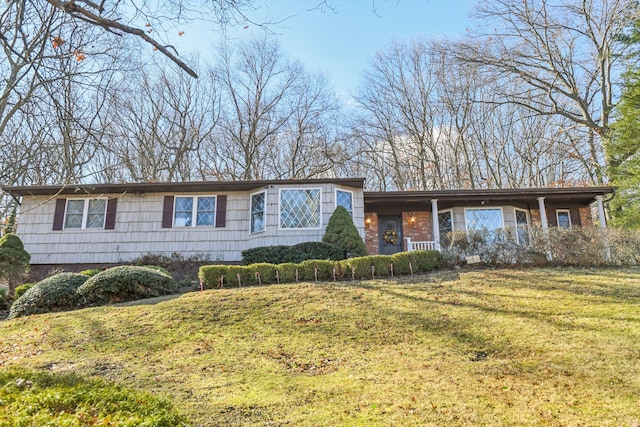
(221, 211)
(58, 216)
(110, 220)
(167, 212)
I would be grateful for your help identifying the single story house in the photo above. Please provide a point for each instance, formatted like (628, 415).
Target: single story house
(100, 224)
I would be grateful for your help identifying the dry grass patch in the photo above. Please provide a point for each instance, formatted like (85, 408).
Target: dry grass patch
(489, 347)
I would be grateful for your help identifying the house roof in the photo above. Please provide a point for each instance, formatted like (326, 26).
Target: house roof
(415, 200)
(170, 187)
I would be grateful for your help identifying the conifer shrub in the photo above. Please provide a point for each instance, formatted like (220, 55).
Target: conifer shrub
(14, 260)
(342, 232)
(125, 283)
(55, 293)
(90, 273)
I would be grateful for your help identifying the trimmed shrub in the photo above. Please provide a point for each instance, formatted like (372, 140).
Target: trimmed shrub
(426, 261)
(315, 250)
(308, 269)
(342, 232)
(14, 260)
(363, 266)
(158, 268)
(266, 254)
(20, 290)
(55, 293)
(211, 275)
(267, 272)
(247, 278)
(401, 262)
(125, 283)
(287, 272)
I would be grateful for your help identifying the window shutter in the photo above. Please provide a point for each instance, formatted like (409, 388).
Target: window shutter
(58, 216)
(110, 220)
(221, 211)
(167, 212)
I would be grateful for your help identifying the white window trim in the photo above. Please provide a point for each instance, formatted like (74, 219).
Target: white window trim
(335, 193)
(466, 225)
(526, 212)
(280, 208)
(264, 212)
(85, 214)
(453, 225)
(568, 212)
(194, 211)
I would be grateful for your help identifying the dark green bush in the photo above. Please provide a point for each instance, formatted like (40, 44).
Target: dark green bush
(426, 261)
(296, 253)
(125, 283)
(266, 254)
(342, 232)
(14, 260)
(363, 266)
(20, 290)
(247, 278)
(55, 293)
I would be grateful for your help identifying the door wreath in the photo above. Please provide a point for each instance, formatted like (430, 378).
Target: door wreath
(390, 236)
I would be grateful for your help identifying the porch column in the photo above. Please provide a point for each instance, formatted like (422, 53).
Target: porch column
(543, 214)
(435, 224)
(602, 219)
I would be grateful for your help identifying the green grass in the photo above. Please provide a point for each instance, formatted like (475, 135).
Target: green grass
(557, 347)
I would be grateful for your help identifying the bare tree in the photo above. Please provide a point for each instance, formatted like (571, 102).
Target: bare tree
(567, 51)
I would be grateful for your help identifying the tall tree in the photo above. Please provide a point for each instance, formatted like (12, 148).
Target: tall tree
(567, 51)
(624, 150)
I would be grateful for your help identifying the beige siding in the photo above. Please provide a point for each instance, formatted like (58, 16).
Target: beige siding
(139, 231)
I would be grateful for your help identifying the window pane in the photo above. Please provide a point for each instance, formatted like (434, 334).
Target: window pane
(522, 227)
(344, 199)
(95, 213)
(484, 219)
(257, 212)
(206, 211)
(73, 217)
(564, 220)
(445, 222)
(183, 212)
(300, 208)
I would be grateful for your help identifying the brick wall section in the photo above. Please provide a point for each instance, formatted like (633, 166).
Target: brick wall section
(586, 220)
(535, 216)
(371, 233)
(421, 230)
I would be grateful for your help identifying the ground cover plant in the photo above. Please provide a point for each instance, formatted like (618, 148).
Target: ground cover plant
(552, 346)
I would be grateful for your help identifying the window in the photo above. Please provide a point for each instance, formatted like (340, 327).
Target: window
(488, 220)
(345, 199)
(445, 225)
(186, 216)
(85, 213)
(564, 218)
(522, 226)
(300, 208)
(257, 212)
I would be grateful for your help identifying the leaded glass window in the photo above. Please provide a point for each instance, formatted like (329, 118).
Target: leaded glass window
(445, 225)
(564, 218)
(95, 213)
(483, 219)
(345, 199)
(199, 211)
(74, 214)
(300, 208)
(257, 212)
(522, 226)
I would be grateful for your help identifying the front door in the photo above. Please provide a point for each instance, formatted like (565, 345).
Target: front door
(390, 234)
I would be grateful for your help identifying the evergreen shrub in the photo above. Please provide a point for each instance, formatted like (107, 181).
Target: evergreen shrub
(125, 283)
(55, 293)
(20, 290)
(14, 260)
(342, 232)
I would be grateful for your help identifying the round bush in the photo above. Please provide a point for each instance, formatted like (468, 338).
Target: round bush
(125, 283)
(20, 290)
(55, 293)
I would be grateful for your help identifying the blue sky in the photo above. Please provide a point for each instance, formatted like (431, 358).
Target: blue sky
(340, 43)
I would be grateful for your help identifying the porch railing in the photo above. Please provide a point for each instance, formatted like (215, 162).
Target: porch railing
(422, 245)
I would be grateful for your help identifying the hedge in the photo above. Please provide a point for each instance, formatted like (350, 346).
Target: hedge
(215, 276)
(296, 253)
